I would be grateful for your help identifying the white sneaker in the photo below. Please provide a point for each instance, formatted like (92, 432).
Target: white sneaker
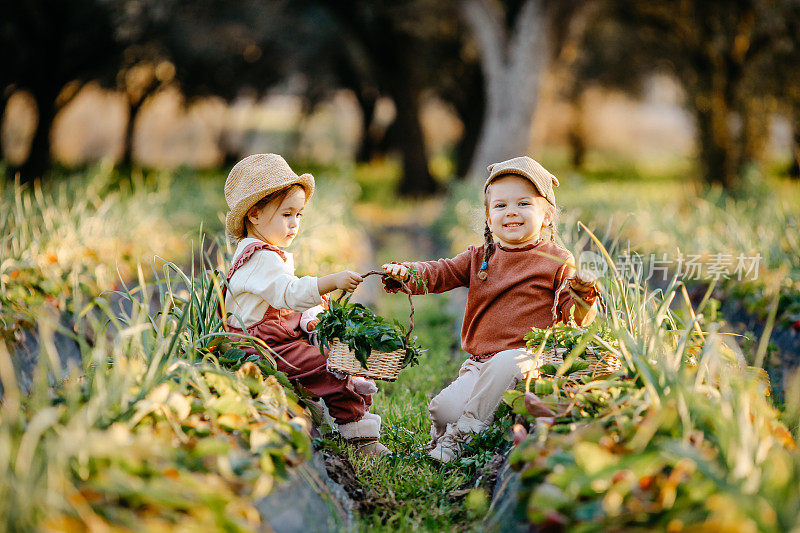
(448, 446)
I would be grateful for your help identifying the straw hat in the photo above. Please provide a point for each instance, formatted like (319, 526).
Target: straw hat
(527, 168)
(253, 178)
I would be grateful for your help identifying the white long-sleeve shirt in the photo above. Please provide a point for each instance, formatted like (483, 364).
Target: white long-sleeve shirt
(267, 280)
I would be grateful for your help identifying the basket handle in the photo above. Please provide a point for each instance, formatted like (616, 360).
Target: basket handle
(406, 289)
(601, 303)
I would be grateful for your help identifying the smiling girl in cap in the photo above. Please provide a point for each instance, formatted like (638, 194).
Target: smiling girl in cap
(266, 300)
(512, 287)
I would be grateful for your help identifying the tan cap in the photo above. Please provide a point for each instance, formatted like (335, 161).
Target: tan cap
(253, 178)
(527, 168)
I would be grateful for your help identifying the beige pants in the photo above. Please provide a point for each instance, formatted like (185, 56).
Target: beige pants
(470, 401)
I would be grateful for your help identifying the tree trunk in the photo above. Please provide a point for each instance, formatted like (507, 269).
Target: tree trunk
(719, 151)
(755, 116)
(471, 110)
(794, 169)
(417, 179)
(368, 146)
(512, 66)
(130, 128)
(576, 136)
(39, 157)
(3, 102)
(716, 149)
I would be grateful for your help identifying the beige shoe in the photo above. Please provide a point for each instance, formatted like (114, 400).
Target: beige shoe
(435, 434)
(370, 447)
(449, 446)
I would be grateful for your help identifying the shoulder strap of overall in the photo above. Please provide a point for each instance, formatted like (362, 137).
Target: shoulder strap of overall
(248, 252)
(240, 260)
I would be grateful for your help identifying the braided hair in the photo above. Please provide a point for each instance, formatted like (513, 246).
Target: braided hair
(488, 250)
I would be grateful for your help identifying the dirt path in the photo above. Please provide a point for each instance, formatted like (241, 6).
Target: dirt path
(408, 491)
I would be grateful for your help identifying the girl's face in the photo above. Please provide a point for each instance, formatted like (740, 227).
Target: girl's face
(278, 225)
(516, 212)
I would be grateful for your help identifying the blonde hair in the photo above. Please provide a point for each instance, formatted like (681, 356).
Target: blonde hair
(277, 197)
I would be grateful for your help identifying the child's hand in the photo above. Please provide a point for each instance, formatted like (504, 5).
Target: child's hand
(311, 325)
(584, 281)
(396, 270)
(584, 286)
(347, 280)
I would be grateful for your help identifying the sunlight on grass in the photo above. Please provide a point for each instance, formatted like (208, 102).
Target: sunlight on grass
(199, 429)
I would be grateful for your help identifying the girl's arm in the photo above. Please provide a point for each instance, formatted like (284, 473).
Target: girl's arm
(265, 275)
(346, 280)
(434, 276)
(579, 294)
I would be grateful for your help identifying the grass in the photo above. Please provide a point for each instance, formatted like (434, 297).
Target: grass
(150, 432)
(655, 342)
(162, 423)
(169, 466)
(410, 491)
(678, 444)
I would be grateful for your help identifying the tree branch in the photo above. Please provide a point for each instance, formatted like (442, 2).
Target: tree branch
(487, 27)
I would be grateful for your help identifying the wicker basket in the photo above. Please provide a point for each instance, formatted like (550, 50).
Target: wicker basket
(384, 366)
(601, 362)
(380, 365)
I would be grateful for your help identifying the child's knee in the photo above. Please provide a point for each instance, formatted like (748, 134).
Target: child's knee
(510, 364)
(444, 412)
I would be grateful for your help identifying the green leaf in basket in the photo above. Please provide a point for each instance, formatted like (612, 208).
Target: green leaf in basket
(543, 387)
(548, 369)
(577, 364)
(363, 332)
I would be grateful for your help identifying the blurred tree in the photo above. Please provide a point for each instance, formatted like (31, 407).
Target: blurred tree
(226, 48)
(780, 72)
(716, 50)
(204, 47)
(5, 94)
(517, 40)
(514, 49)
(50, 48)
(143, 67)
(445, 65)
(390, 49)
(794, 167)
(586, 53)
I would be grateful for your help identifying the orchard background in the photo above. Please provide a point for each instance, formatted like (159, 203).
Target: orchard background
(673, 126)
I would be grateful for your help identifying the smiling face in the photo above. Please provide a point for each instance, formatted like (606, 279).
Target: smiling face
(279, 221)
(515, 211)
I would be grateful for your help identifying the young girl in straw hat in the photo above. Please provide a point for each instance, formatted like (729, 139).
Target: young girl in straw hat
(266, 300)
(512, 286)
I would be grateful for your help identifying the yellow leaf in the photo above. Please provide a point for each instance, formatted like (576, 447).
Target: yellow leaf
(593, 458)
(250, 370)
(263, 486)
(232, 421)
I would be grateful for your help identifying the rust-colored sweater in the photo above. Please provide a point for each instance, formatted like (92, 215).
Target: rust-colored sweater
(517, 294)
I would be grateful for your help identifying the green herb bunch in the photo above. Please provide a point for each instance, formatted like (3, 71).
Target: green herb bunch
(416, 278)
(569, 336)
(363, 331)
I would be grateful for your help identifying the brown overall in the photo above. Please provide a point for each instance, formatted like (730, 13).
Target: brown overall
(301, 361)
